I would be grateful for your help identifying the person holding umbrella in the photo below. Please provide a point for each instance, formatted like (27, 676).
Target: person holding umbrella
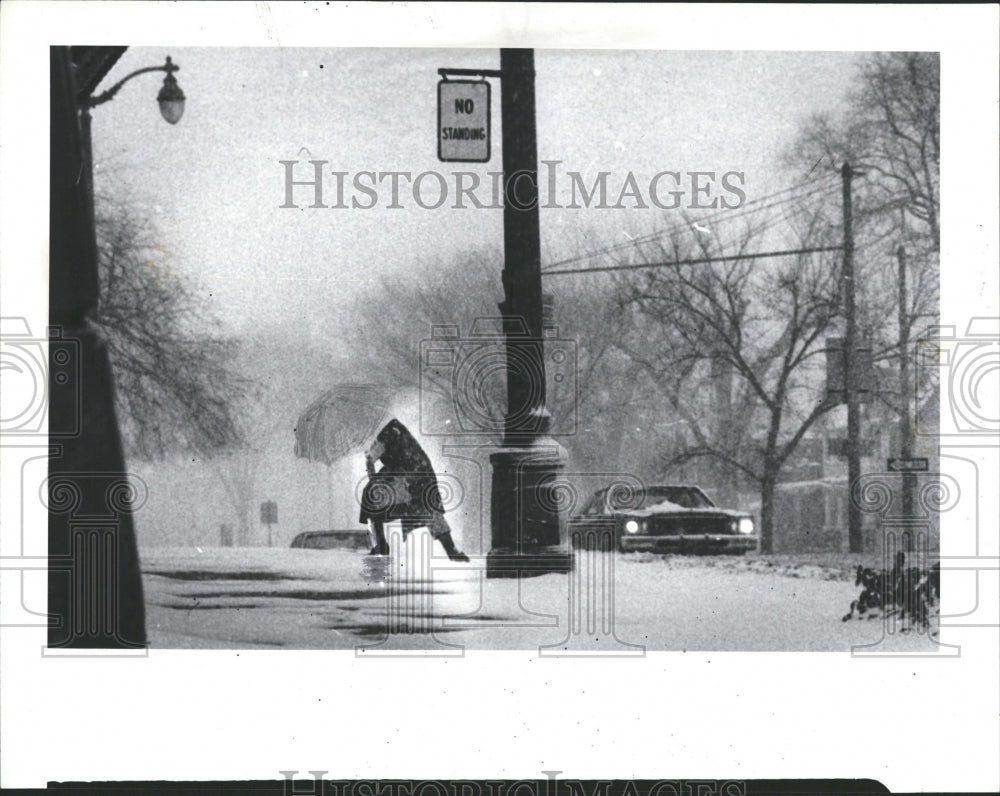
(405, 489)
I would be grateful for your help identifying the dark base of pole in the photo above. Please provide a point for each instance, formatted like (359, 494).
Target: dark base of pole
(529, 523)
(512, 564)
(95, 583)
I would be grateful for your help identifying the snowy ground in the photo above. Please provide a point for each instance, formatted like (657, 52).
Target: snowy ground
(612, 604)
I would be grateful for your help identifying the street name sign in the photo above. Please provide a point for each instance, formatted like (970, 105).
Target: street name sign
(463, 121)
(908, 465)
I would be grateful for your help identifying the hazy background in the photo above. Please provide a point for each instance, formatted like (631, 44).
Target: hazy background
(286, 281)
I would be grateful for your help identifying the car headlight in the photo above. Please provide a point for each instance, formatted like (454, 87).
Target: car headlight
(746, 525)
(631, 527)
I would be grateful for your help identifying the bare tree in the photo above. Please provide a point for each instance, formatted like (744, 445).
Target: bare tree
(290, 373)
(239, 468)
(174, 380)
(736, 350)
(466, 289)
(237, 471)
(608, 401)
(890, 131)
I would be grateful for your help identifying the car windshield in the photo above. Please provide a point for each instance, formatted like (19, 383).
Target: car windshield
(687, 497)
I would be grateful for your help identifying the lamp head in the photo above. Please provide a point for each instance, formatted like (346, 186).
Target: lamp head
(171, 98)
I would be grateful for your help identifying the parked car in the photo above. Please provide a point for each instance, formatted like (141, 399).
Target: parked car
(676, 518)
(330, 540)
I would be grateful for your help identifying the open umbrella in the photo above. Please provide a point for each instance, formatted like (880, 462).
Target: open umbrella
(341, 421)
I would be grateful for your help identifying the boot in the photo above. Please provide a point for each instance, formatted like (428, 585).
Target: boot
(381, 547)
(449, 547)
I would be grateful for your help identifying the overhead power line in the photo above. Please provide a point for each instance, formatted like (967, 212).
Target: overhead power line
(711, 218)
(696, 261)
(815, 186)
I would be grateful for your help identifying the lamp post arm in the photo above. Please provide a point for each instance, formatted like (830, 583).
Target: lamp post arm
(471, 72)
(108, 95)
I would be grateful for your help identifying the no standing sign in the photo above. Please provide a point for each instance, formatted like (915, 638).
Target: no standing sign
(464, 121)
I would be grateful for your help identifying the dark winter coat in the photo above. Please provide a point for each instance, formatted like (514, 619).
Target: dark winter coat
(406, 487)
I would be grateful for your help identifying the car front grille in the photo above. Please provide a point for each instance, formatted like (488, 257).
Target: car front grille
(687, 526)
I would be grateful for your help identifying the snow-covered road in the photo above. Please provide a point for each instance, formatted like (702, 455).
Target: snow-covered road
(612, 604)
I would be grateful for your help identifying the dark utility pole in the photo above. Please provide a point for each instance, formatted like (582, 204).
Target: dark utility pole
(854, 534)
(906, 424)
(529, 532)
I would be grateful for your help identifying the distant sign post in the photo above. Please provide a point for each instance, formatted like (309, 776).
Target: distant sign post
(463, 121)
(910, 465)
(269, 516)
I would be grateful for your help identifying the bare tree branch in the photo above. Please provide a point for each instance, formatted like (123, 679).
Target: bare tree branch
(175, 384)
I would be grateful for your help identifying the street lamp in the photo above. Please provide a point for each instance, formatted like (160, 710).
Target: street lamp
(95, 575)
(170, 98)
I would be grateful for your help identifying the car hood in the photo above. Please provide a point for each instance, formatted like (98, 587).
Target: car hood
(668, 508)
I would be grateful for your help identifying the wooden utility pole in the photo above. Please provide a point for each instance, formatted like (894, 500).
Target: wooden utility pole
(854, 533)
(906, 424)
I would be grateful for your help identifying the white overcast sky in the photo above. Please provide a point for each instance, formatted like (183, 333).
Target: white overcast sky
(215, 184)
